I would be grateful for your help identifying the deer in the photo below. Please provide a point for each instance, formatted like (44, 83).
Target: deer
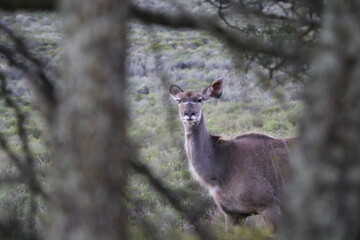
(245, 175)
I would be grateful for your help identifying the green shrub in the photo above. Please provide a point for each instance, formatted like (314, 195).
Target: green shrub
(159, 47)
(243, 233)
(12, 201)
(276, 126)
(34, 131)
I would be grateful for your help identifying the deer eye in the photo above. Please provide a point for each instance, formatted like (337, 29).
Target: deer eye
(199, 100)
(178, 101)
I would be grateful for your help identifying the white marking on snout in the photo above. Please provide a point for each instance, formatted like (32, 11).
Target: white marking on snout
(213, 190)
(187, 118)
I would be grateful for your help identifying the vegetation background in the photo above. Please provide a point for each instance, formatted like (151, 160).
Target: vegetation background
(262, 94)
(189, 59)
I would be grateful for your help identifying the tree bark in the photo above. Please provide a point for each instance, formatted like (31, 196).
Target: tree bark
(89, 126)
(324, 195)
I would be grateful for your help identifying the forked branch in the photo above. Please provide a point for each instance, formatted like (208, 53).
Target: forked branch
(233, 39)
(26, 169)
(32, 66)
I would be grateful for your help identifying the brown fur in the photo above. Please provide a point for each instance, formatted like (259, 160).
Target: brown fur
(245, 175)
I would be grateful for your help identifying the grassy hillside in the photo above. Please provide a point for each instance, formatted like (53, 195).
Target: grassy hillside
(157, 58)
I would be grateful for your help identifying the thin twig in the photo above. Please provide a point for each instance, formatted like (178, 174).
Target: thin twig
(232, 38)
(220, 4)
(259, 13)
(25, 174)
(189, 214)
(27, 170)
(223, 18)
(38, 77)
(276, 67)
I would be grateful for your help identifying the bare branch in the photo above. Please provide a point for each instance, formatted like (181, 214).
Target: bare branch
(27, 176)
(32, 5)
(232, 38)
(261, 14)
(189, 214)
(37, 76)
(222, 16)
(220, 4)
(13, 229)
(20, 120)
(27, 171)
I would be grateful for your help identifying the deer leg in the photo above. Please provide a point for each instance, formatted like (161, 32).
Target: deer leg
(232, 220)
(227, 222)
(235, 219)
(271, 216)
(255, 220)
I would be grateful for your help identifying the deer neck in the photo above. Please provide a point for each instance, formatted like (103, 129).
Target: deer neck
(201, 154)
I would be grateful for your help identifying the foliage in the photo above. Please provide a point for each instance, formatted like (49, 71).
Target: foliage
(190, 59)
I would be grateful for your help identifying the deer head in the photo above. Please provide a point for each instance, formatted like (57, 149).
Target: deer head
(190, 102)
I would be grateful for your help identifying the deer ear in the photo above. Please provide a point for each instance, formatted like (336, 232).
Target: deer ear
(215, 90)
(174, 90)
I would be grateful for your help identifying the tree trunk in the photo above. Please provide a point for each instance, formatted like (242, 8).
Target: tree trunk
(89, 127)
(323, 200)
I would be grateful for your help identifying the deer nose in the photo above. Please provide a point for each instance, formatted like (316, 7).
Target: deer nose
(189, 114)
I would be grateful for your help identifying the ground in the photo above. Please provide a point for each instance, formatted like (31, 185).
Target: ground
(157, 58)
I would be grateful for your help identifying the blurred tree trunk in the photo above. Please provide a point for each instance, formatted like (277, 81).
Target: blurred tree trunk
(89, 126)
(324, 194)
